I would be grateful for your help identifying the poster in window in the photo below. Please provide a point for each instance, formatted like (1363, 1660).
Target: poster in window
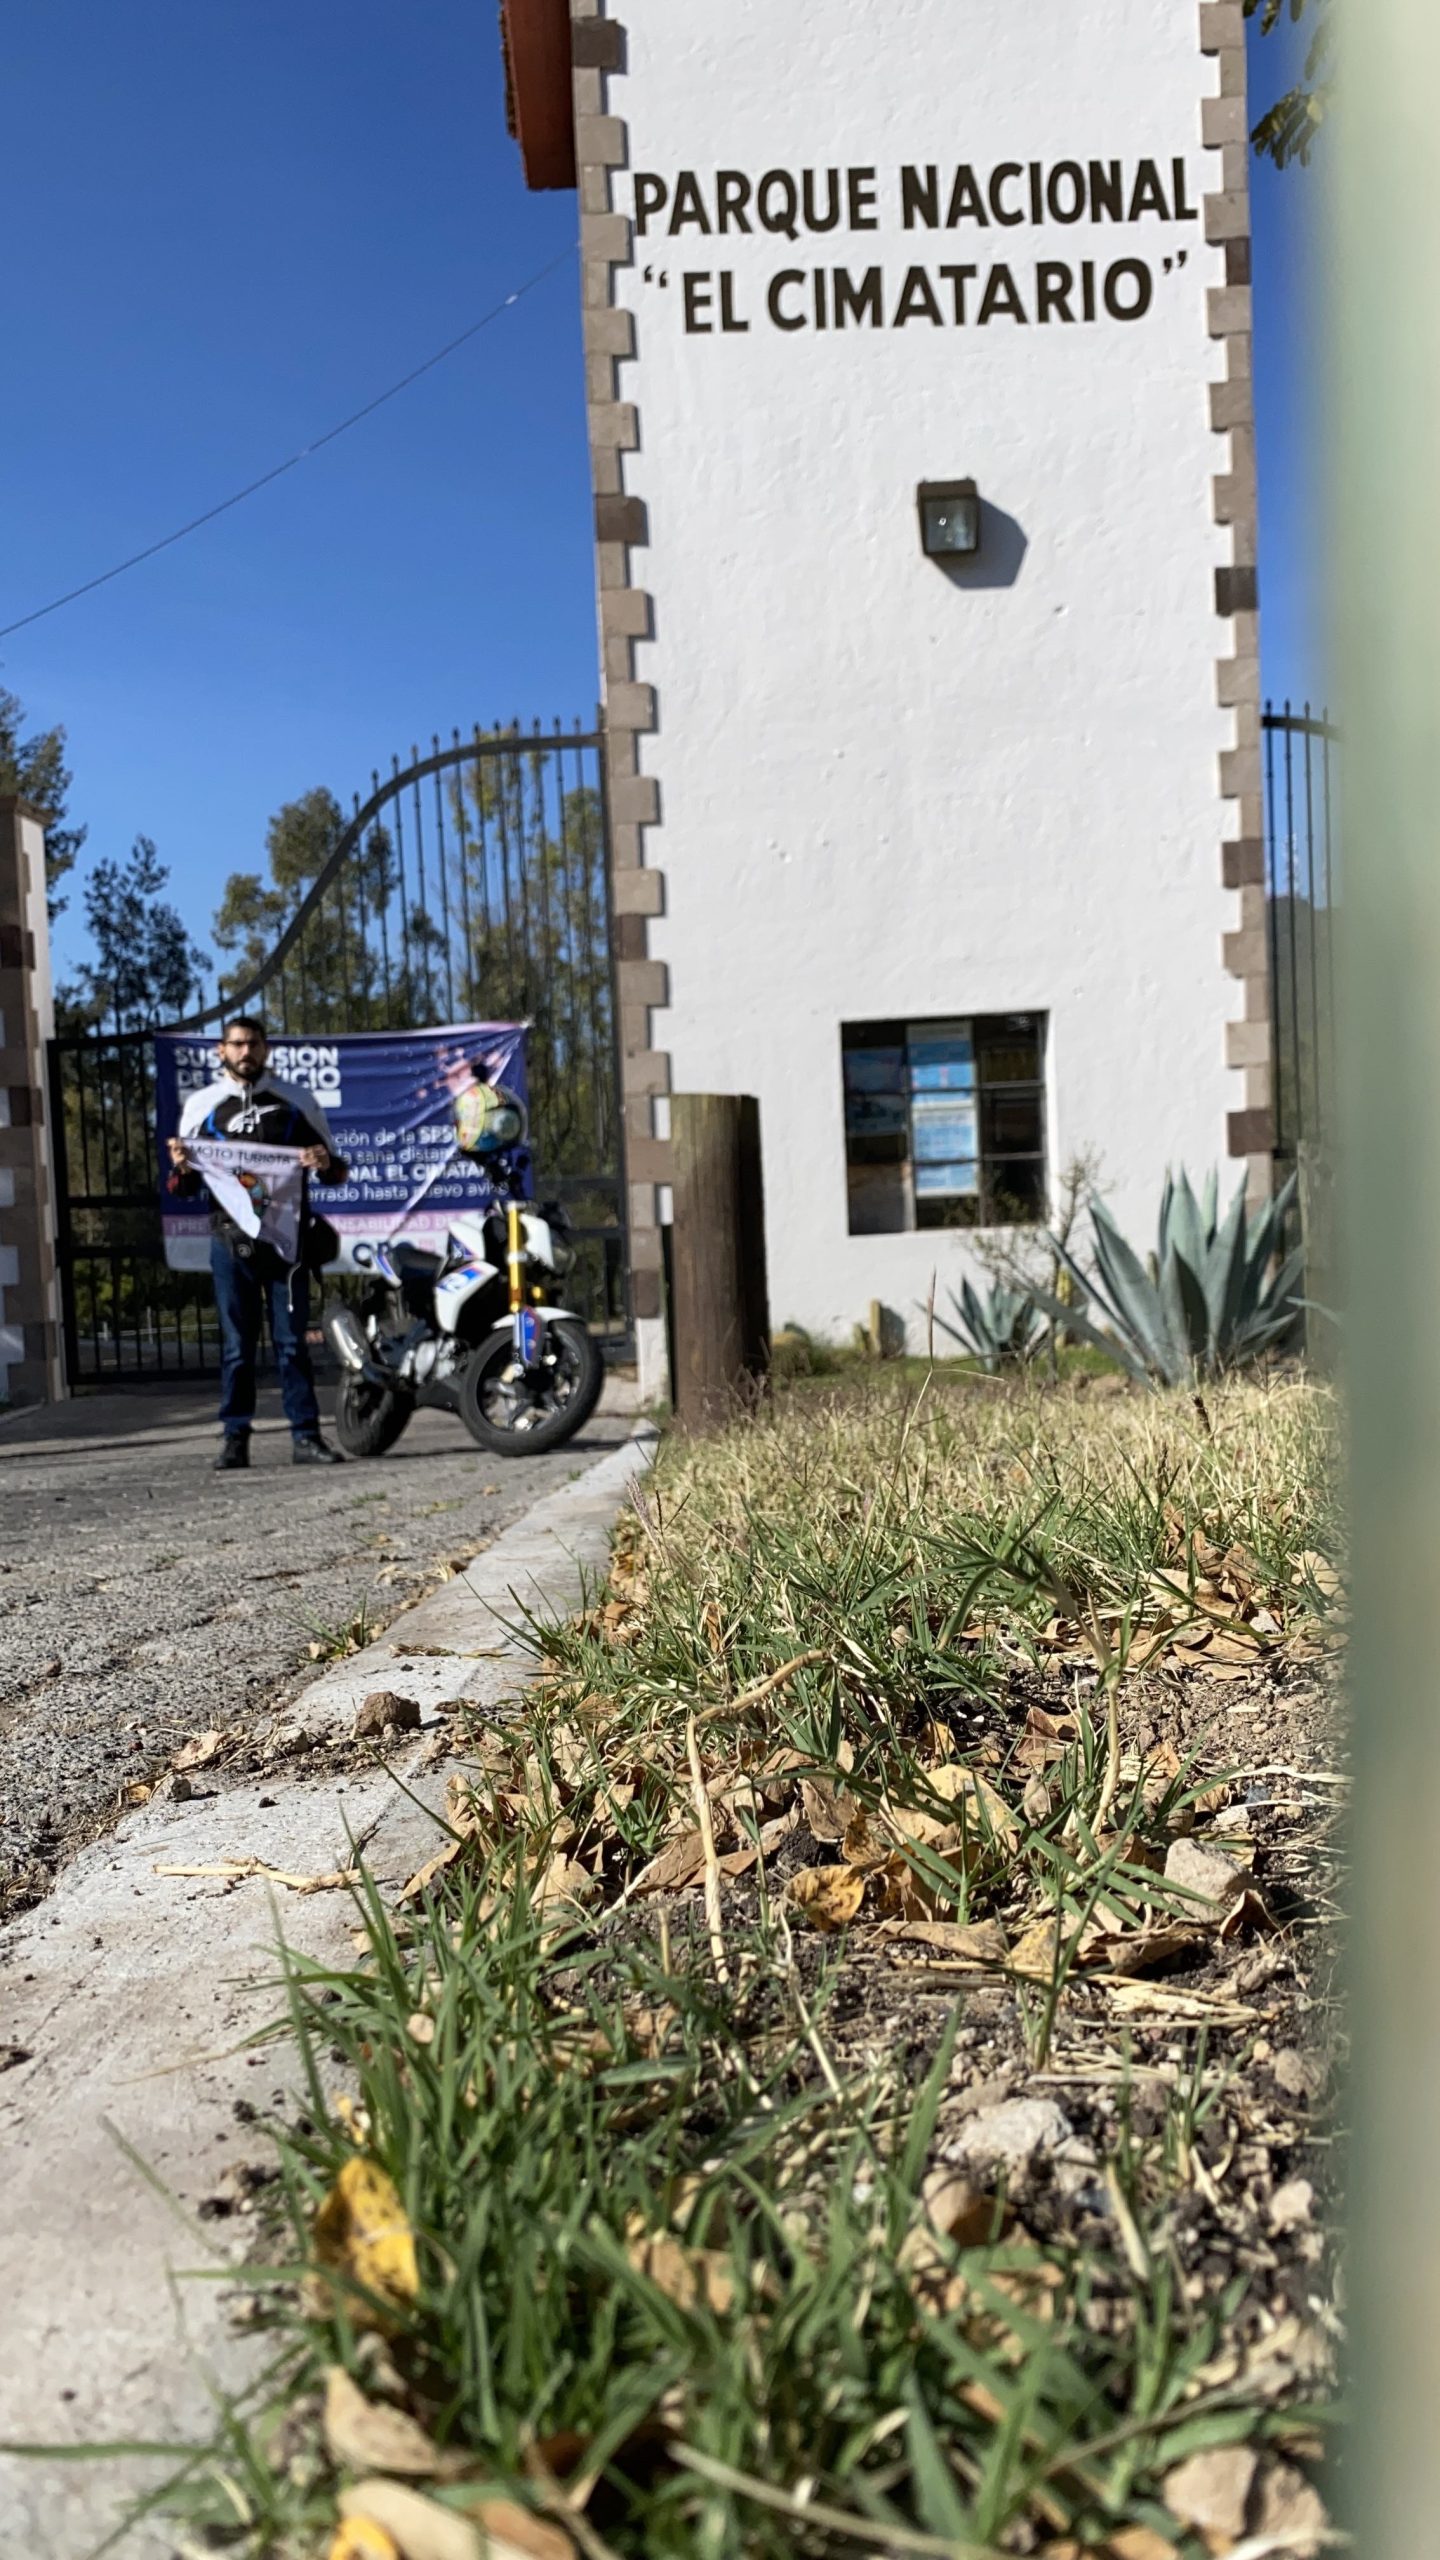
(941, 1057)
(945, 1145)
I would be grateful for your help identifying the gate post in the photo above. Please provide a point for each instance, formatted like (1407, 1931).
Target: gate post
(31, 1364)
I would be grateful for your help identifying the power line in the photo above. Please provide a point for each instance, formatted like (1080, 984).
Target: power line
(280, 468)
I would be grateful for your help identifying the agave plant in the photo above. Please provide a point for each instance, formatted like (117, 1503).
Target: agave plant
(1003, 1328)
(1214, 1297)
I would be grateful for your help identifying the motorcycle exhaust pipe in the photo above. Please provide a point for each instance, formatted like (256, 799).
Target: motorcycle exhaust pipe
(352, 1349)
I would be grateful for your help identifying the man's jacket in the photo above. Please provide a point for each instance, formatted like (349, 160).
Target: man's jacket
(268, 1113)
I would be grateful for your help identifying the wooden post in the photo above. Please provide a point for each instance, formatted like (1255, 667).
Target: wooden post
(721, 1305)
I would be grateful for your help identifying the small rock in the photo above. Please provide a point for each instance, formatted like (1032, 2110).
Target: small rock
(1291, 2205)
(1259, 1967)
(1288, 2506)
(1203, 1871)
(179, 1788)
(1299, 2075)
(385, 1709)
(1212, 2490)
(1012, 2135)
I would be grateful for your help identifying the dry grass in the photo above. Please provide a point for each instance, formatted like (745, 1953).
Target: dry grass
(842, 1813)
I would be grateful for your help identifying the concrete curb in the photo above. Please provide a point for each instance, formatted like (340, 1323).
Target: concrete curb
(133, 1994)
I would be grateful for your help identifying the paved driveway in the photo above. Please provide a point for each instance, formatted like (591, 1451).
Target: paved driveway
(143, 1598)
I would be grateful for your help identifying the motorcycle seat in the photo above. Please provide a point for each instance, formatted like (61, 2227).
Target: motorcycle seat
(414, 1257)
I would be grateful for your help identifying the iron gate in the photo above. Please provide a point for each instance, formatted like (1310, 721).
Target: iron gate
(472, 884)
(1302, 887)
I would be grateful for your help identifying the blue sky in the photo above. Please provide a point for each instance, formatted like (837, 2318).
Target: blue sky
(242, 218)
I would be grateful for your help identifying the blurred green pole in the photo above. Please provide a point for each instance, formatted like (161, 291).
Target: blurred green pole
(1385, 247)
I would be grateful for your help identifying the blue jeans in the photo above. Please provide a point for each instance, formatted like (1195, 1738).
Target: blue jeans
(243, 1295)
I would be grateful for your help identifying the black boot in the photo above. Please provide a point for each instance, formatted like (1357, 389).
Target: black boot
(234, 1452)
(315, 1453)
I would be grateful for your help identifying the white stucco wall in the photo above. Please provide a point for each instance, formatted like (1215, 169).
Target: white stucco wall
(884, 792)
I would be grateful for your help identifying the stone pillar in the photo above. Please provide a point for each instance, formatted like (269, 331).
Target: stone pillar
(31, 1354)
(637, 887)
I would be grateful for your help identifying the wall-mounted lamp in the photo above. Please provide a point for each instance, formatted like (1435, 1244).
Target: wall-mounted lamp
(949, 519)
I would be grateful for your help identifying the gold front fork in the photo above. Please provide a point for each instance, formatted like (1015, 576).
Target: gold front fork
(515, 1255)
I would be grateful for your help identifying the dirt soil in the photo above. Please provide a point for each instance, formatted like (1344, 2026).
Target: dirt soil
(144, 1598)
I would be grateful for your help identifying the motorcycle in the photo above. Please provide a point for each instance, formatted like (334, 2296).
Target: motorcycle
(472, 1329)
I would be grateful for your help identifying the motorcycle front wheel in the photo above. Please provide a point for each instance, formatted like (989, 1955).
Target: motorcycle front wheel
(369, 1419)
(518, 1411)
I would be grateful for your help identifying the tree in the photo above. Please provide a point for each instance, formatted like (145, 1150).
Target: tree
(1287, 130)
(34, 769)
(145, 968)
(334, 977)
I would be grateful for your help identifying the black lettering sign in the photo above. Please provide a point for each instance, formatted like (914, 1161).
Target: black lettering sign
(917, 301)
(815, 220)
(1001, 299)
(1137, 274)
(920, 197)
(1107, 191)
(1001, 179)
(730, 321)
(966, 202)
(957, 279)
(861, 191)
(777, 202)
(1065, 194)
(689, 205)
(698, 299)
(1185, 211)
(732, 195)
(651, 193)
(1148, 194)
(863, 302)
(779, 284)
(1054, 285)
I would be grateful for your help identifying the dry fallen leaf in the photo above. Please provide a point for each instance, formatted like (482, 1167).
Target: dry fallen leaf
(977, 1942)
(830, 1897)
(827, 1812)
(1036, 1953)
(199, 1751)
(361, 2538)
(494, 2528)
(685, 2276)
(563, 1880)
(678, 1863)
(368, 2435)
(362, 2232)
(958, 2211)
(982, 1807)
(1137, 2542)
(1190, 2008)
(1131, 1952)
(426, 1875)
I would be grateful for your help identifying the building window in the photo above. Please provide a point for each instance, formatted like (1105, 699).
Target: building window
(945, 1122)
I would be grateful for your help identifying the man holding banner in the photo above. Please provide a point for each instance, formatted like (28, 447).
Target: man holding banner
(253, 1142)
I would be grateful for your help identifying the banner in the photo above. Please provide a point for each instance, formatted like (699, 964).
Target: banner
(261, 1188)
(425, 1120)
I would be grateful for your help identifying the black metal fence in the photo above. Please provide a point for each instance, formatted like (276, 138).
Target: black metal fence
(472, 884)
(1302, 894)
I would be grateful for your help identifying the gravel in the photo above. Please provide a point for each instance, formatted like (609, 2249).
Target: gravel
(144, 1598)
